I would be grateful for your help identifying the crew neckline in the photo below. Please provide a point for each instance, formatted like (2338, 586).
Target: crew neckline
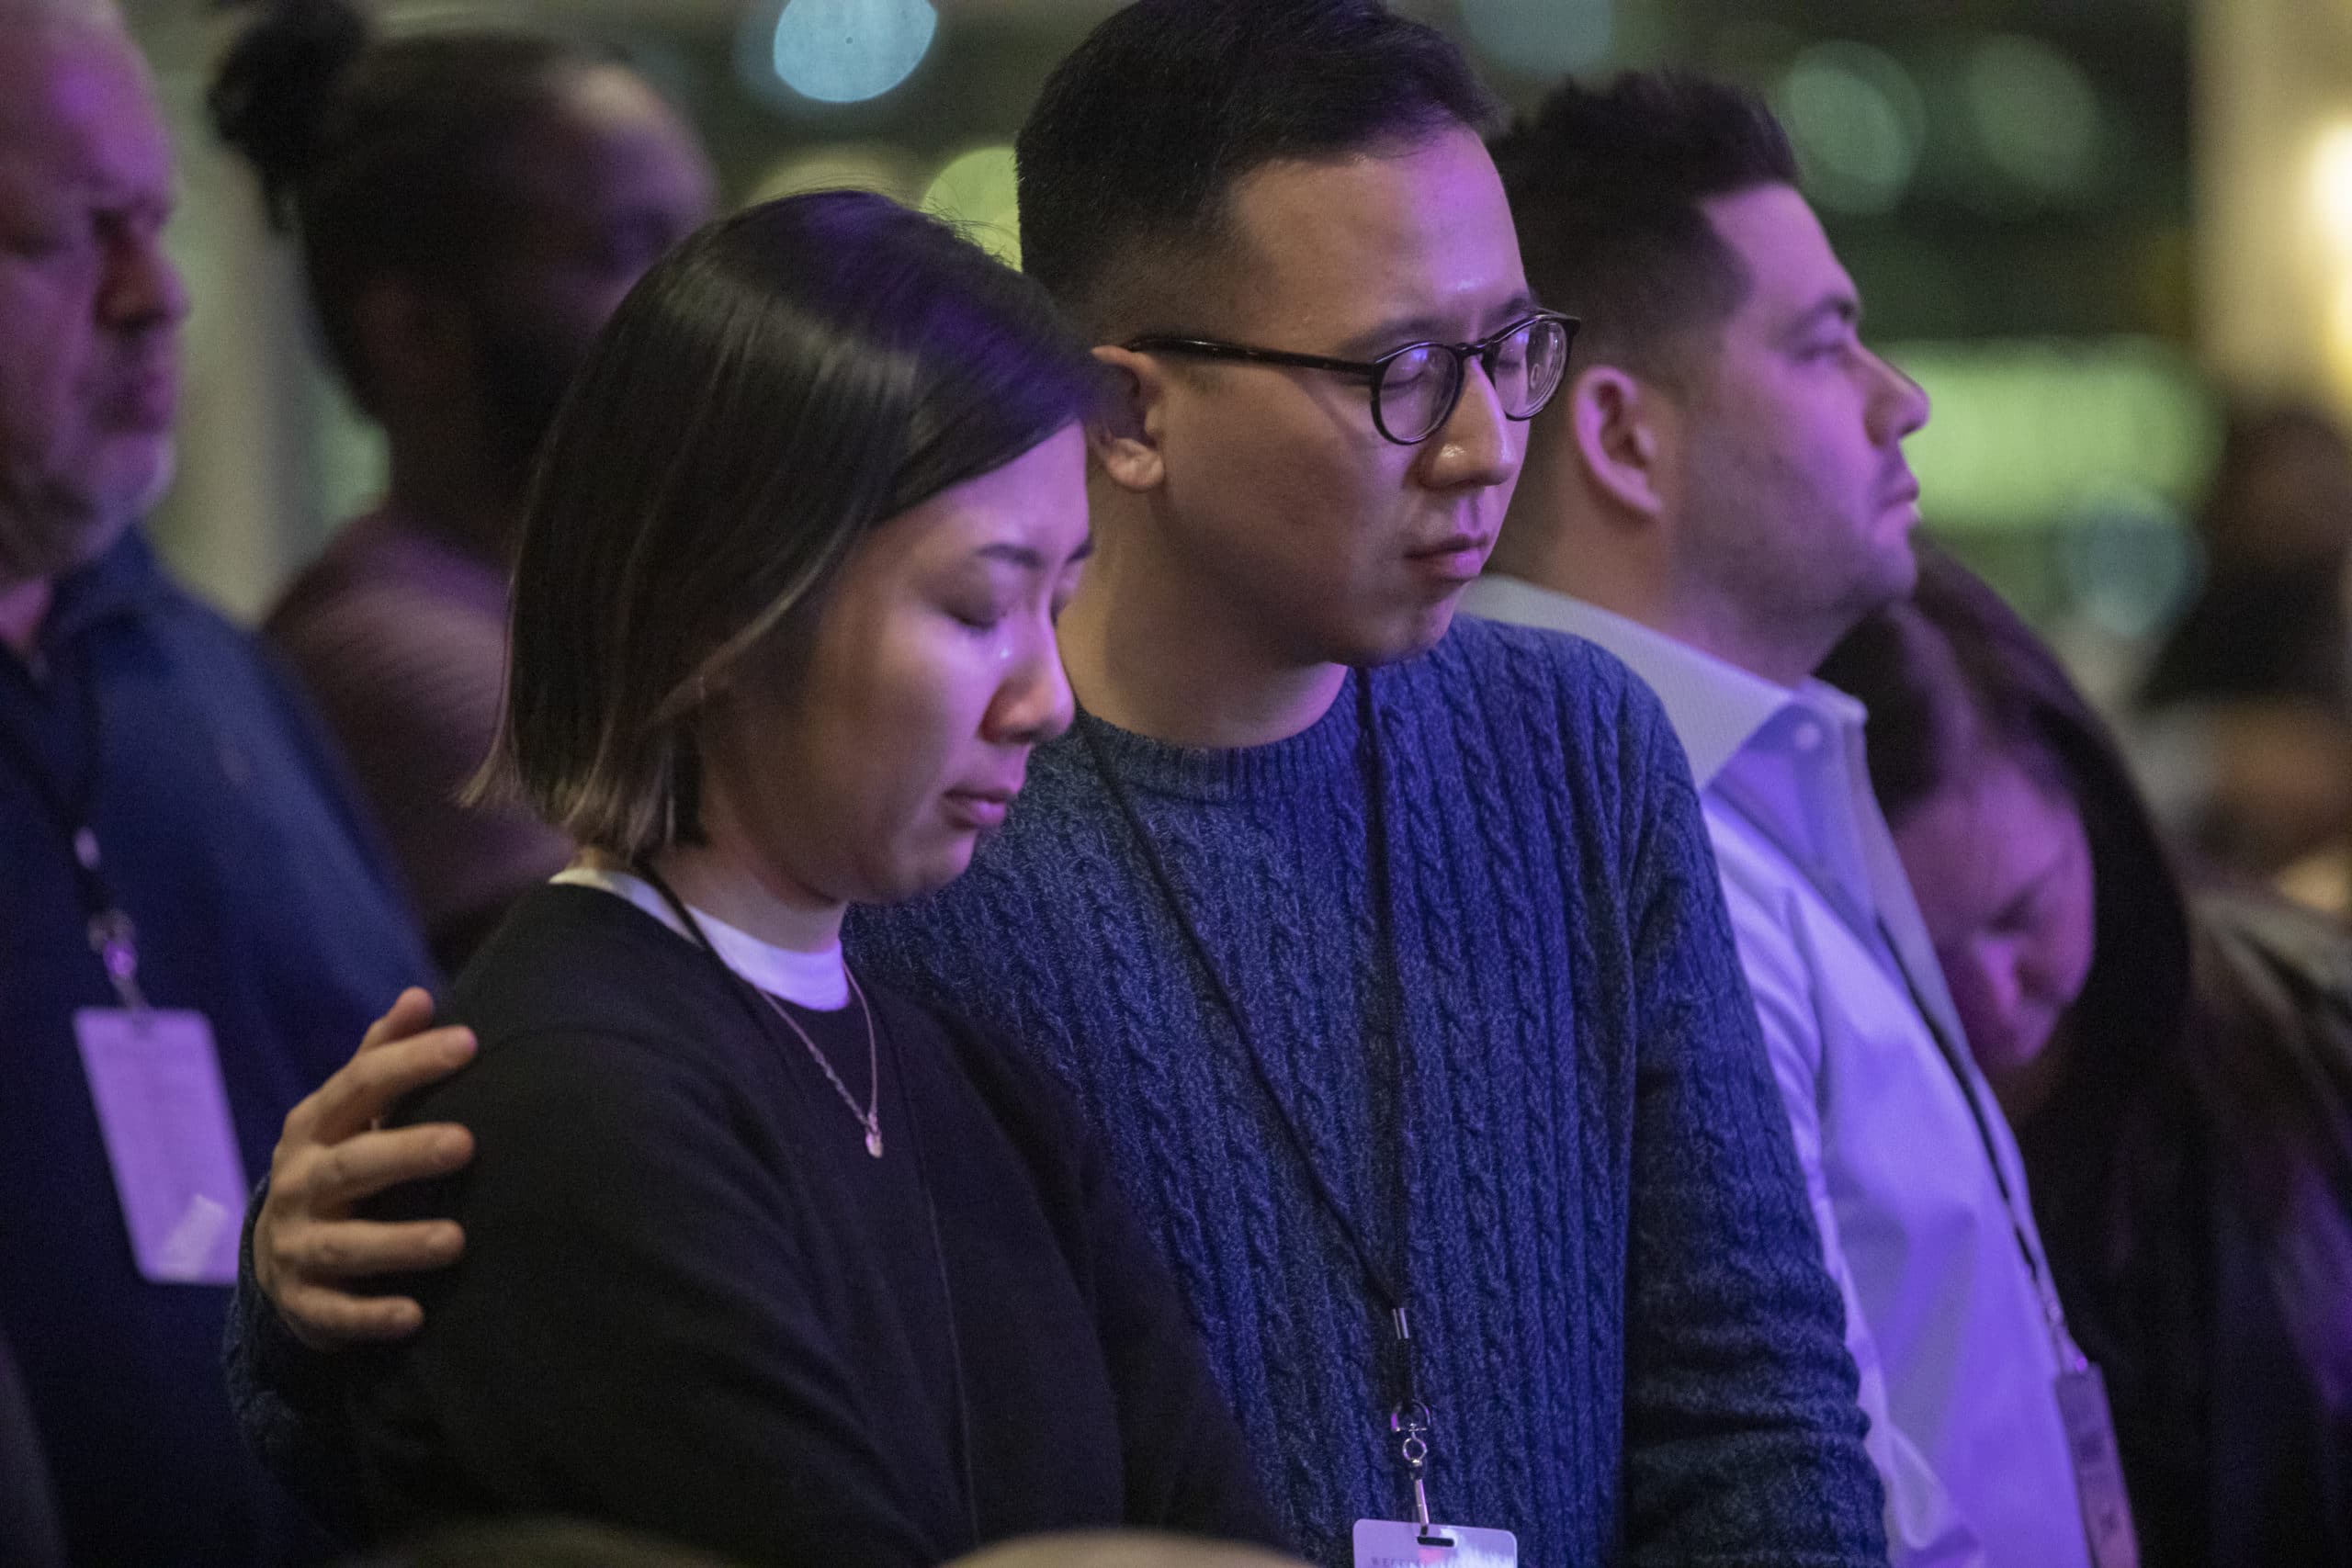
(817, 981)
(1213, 772)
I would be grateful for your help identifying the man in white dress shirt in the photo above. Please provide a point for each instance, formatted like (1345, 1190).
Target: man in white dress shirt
(1718, 495)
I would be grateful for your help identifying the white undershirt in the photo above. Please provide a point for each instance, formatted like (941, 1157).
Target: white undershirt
(818, 981)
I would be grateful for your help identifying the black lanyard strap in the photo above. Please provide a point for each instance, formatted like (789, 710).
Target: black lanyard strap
(72, 808)
(2045, 1289)
(1409, 1417)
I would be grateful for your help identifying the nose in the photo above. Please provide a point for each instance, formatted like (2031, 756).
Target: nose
(2045, 976)
(2005, 983)
(1477, 446)
(143, 289)
(1900, 406)
(1033, 703)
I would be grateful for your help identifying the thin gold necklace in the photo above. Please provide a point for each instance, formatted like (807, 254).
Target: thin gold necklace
(870, 1117)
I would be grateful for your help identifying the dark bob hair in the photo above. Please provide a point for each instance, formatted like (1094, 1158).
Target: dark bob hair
(784, 381)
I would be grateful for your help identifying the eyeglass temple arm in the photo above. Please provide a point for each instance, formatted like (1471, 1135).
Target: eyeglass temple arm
(1209, 350)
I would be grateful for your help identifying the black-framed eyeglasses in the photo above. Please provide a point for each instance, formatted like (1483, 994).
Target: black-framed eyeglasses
(1416, 389)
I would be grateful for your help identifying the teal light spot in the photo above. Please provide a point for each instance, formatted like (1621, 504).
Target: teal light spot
(843, 51)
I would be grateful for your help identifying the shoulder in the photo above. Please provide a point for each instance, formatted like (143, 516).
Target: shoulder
(1562, 700)
(1558, 661)
(391, 634)
(576, 962)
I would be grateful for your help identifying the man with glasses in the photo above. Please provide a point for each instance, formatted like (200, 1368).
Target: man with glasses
(1389, 961)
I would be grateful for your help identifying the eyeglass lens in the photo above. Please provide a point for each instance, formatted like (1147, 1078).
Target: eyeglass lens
(1418, 389)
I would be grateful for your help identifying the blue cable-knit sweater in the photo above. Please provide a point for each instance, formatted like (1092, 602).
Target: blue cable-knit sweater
(1623, 1325)
(1623, 1321)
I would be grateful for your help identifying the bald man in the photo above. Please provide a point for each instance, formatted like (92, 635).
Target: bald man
(192, 920)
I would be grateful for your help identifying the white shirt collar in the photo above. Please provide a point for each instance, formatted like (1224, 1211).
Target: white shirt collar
(1715, 707)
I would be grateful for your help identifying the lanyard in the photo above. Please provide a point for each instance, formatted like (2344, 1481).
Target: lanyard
(2071, 1358)
(70, 807)
(1409, 1419)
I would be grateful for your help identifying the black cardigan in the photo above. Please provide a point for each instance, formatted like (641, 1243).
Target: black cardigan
(692, 1304)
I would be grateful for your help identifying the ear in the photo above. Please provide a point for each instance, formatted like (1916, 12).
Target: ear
(1617, 421)
(1126, 438)
(412, 342)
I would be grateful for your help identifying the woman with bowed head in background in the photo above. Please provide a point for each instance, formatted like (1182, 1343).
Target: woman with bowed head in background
(2177, 1062)
(761, 1259)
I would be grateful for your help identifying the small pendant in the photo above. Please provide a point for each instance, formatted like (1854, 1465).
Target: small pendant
(874, 1139)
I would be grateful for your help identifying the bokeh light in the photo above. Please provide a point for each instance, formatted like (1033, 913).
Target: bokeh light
(2127, 560)
(2027, 432)
(2332, 187)
(843, 51)
(1540, 38)
(976, 191)
(2035, 115)
(1858, 122)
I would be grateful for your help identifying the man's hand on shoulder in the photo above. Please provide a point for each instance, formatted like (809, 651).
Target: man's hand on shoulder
(333, 1155)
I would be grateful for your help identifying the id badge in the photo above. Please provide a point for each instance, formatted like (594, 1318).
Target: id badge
(2098, 1470)
(1389, 1543)
(155, 1080)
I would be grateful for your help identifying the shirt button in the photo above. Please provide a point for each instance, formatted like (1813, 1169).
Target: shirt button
(1807, 737)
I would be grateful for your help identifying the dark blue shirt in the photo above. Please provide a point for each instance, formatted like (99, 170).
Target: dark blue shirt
(261, 902)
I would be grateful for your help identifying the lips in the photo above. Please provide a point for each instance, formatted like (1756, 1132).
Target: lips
(1456, 558)
(980, 806)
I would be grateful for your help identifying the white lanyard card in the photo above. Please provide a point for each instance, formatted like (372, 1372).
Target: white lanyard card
(155, 1080)
(2099, 1469)
(1392, 1543)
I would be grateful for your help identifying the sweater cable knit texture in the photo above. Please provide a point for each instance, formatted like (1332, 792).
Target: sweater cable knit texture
(1622, 1324)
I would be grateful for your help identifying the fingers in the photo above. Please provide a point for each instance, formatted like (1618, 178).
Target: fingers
(386, 1069)
(368, 1163)
(313, 1261)
(410, 1011)
(328, 1320)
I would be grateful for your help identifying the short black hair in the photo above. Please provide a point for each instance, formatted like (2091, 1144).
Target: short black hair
(784, 381)
(1606, 185)
(382, 155)
(1138, 136)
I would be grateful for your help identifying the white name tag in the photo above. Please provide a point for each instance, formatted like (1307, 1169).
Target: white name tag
(2099, 1469)
(155, 1080)
(1387, 1543)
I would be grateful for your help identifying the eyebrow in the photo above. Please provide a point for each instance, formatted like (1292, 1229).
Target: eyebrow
(1028, 559)
(1431, 328)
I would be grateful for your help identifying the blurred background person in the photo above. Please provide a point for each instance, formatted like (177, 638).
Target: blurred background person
(2260, 664)
(190, 909)
(469, 207)
(2178, 1066)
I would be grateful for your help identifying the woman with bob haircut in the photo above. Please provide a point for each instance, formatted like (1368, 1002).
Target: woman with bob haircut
(2178, 1066)
(761, 1259)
